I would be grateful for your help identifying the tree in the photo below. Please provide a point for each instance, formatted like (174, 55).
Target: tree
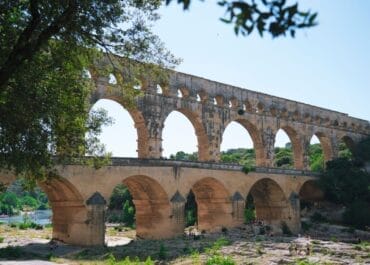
(283, 157)
(363, 150)
(46, 48)
(120, 195)
(316, 158)
(345, 182)
(128, 214)
(9, 203)
(276, 17)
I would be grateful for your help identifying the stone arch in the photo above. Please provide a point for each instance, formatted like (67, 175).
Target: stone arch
(214, 204)
(69, 212)
(152, 207)
(139, 123)
(326, 145)
(256, 139)
(297, 146)
(310, 191)
(270, 202)
(200, 132)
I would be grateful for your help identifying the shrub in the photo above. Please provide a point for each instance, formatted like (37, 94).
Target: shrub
(249, 215)
(162, 253)
(357, 214)
(195, 256)
(222, 241)
(305, 262)
(220, 260)
(248, 168)
(27, 224)
(190, 217)
(285, 228)
(128, 214)
(305, 226)
(1, 239)
(318, 218)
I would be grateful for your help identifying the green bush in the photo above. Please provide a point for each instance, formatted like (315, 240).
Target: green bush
(305, 262)
(318, 218)
(217, 259)
(128, 214)
(1, 239)
(191, 210)
(305, 226)
(162, 253)
(28, 224)
(344, 182)
(285, 228)
(190, 217)
(357, 214)
(222, 241)
(248, 168)
(249, 215)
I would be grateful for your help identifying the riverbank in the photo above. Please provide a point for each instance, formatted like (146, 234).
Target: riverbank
(239, 244)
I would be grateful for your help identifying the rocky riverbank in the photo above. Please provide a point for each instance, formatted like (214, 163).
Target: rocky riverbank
(321, 244)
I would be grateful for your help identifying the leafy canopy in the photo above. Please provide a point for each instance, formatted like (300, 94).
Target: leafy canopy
(46, 48)
(275, 17)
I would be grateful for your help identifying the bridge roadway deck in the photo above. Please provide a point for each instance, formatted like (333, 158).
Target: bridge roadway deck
(128, 161)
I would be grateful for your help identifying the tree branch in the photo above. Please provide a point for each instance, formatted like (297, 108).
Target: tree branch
(27, 44)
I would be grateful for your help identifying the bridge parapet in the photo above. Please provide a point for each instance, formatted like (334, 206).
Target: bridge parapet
(144, 162)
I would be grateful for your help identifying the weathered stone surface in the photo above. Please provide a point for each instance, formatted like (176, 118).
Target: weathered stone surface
(211, 107)
(156, 185)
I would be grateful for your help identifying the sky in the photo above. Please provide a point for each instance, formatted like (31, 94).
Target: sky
(326, 66)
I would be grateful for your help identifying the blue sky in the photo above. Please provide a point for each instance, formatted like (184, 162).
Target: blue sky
(326, 66)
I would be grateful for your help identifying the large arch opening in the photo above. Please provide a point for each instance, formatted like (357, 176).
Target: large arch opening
(152, 208)
(127, 136)
(120, 214)
(184, 137)
(316, 158)
(191, 210)
(237, 146)
(326, 146)
(310, 196)
(283, 150)
(241, 143)
(288, 149)
(310, 192)
(55, 202)
(213, 205)
(269, 205)
(346, 147)
(69, 211)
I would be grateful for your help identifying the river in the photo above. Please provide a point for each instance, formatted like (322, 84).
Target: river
(41, 217)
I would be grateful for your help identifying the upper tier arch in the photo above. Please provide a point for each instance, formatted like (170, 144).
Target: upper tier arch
(259, 113)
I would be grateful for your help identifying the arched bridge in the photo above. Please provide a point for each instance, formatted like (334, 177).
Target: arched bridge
(211, 107)
(160, 187)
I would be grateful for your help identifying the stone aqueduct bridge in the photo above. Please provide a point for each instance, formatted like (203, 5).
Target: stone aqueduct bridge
(160, 187)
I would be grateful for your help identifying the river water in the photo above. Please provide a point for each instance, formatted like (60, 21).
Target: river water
(41, 217)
